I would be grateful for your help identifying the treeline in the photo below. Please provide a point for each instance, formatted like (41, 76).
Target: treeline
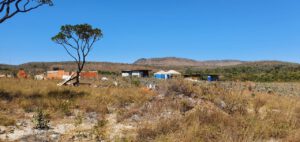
(257, 73)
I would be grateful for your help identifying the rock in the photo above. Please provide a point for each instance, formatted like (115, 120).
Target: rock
(22, 123)
(223, 104)
(11, 129)
(55, 136)
(92, 117)
(135, 118)
(2, 130)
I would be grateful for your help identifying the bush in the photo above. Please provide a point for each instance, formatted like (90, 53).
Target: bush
(41, 120)
(6, 121)
(136, 82)
(180, 87)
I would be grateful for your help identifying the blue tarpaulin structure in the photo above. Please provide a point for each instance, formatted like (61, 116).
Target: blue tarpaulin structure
(212, 78)
(161, 75)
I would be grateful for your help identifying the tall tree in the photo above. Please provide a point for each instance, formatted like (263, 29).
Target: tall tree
(9, 8)
(78, 41)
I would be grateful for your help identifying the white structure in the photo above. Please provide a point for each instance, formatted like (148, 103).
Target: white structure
(166, 75)
(39, 77)
(125, 74)
(173, 72)
(104, 79)
(135, 73)
(66, 77)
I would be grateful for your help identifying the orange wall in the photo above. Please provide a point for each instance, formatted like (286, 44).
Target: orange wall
(59, 74)
(89, 75)
(22, 74)
(56, 75)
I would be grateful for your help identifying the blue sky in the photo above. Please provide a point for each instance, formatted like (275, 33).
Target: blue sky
(197, 29)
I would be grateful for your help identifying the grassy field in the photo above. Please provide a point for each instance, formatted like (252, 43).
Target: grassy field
(177, 110)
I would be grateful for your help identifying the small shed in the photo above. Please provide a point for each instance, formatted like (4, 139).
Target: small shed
(135, 73)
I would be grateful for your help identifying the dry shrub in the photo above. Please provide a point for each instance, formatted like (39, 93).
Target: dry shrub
(297, 115)
(181, 87)
(235, 103)
(294, 136)
(6, 120)
(125, 113)
(200, 125)
(164, 126)
(276, 125)
(259, 102)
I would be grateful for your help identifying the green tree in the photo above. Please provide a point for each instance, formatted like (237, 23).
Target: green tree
(9, 8)
(78, 41)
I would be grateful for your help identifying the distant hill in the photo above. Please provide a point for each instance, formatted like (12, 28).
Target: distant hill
(174, 61)
(231, 69)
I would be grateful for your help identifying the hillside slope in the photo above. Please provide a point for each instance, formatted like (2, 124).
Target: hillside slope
(174, 61)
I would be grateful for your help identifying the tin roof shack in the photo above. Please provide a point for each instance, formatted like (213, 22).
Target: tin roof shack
(89, 75)
(21, 74)
(136, 73)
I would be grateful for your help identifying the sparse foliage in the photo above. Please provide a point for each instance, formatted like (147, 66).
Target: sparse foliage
(9, 8)
(78, 41)
(40, 120)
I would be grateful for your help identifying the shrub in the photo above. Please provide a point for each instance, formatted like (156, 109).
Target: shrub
(41, 120)
(235, 103)
(258, 103)
(99, 129)
(7, 121)
(136, 82)
(179, 87)
(64, 106)
(164, 126)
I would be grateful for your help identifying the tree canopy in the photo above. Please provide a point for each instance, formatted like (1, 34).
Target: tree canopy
(78, 41)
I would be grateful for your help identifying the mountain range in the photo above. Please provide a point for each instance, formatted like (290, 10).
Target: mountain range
(154, 64)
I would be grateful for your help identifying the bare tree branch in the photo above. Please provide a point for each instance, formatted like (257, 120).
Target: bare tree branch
(19, 7)
(69, 52)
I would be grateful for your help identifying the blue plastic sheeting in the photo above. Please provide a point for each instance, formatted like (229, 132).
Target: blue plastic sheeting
(162, 76)
(212, 78)
(209, 78)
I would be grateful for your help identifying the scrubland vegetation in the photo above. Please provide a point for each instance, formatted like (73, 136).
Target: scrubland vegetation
(258, 72)
(177, 110)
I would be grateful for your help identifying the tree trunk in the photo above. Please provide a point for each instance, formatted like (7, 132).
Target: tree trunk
(77, 79)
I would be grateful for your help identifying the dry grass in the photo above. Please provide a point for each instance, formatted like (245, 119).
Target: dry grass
(28, 95)
(188, 111)
(242, 117)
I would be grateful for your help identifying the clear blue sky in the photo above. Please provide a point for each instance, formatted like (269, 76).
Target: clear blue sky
(196, 29)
